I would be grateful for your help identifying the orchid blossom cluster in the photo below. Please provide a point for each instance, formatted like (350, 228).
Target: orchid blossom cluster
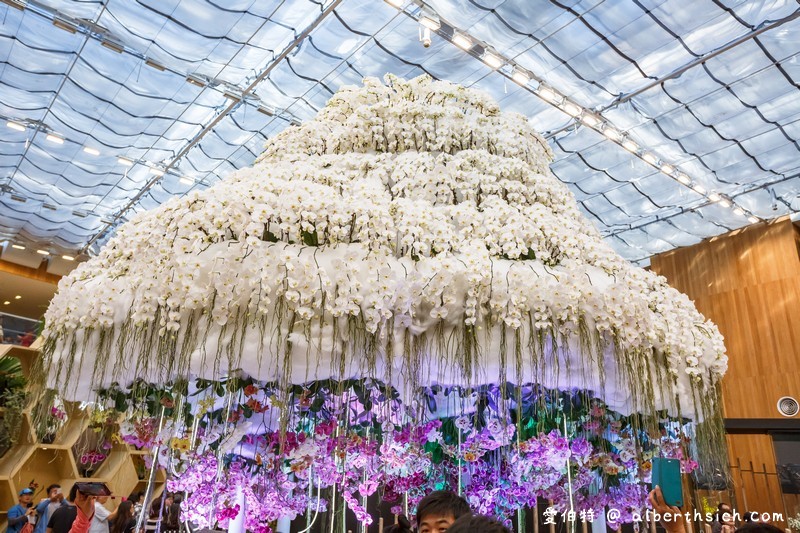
(410, 232)
(255, 448)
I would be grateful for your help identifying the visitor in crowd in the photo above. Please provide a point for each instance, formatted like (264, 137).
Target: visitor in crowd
(173, 520)
(137, 500)
(22, 513)
(472, 523)
(84, 506)
(435, 513)
(678, 525)
(102, 516)
(62, 518)
(156, 513)
(48, 506)
(124, 522)
(723, 520)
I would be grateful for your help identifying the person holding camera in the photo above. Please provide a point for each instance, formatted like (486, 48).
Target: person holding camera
(21, 514)
(48, 506)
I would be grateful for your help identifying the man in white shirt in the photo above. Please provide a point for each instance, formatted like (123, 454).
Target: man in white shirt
(102, 516)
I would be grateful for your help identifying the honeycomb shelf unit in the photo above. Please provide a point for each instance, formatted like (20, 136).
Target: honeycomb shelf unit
(31, 461)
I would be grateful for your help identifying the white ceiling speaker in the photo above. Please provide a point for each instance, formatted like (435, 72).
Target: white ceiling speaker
(788, 406)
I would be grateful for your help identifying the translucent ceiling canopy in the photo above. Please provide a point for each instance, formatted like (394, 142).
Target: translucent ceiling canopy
(681, 119)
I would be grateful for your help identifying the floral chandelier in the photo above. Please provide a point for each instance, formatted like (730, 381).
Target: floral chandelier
(410, 243)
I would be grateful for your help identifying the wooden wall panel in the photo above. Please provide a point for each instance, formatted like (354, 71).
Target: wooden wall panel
(748, 283)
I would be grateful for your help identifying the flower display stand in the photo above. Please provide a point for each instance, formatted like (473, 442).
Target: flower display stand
(31, 461)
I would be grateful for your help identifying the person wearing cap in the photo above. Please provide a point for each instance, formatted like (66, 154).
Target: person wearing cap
(18, 515)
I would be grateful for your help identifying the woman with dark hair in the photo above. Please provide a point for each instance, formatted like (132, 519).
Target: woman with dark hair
(172, 522)
(125, 521)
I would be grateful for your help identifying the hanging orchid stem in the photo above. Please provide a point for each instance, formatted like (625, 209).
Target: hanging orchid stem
(569, 485)
(152, 478)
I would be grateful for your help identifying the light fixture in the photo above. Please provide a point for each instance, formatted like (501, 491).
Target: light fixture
(6, 302)
(67, 258)
(752, 220)
(666, 168)
(91, 151)
(738, 211)
(425, 37)
(714, 197)
(699, 188)
(395, 3)
(18, 198)
(630, 145)
(683, 178)
(520, 76)
(17, 246)
(461, 41)
(18, 296)
(156, 172)
(124, 161)
(724, 203)
(548, 94)
(43, 252)
(612, 133)
(650, 158)
(153, 64)
(15, 125)
(573, 109)
(430, 22)
(493, 60)
(186, 181)
(66, 26)
(118, 48)
(54, 138)
(590, 120)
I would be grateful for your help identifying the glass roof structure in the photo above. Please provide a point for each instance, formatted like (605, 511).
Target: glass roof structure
(671, 120)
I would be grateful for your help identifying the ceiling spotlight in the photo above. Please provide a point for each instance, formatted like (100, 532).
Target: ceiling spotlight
(630, 145)
(43, 252)
(572, 109)
(699, 188)
(548, 94)
(156, 172)
(465, 43)
(667, 169)
(15, 125)
(18, 296)
(395, 3)
(520, 76)
(493, 60)
(738, 211)
(650, 158)
(186, 181)
(6, 302)
(714, 197)
(430, 22)
(125, 161)
(67, 258)
(753, 220)
(590, 120)
(17, 246)
(91, 151)
(683, 178)
(54, 139)
(724, 203)
(612, 134)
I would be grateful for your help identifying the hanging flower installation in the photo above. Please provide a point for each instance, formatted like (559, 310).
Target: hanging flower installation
(410, 235)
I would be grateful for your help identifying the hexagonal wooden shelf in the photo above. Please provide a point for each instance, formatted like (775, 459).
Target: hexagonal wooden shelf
(55, 462)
